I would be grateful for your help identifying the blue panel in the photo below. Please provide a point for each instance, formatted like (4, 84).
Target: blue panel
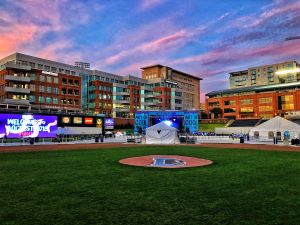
(142, 119)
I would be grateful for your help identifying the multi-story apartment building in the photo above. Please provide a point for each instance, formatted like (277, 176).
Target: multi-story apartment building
(43, 90)
(265, 95)
(189, 84)
(279, 73)
(50, 84)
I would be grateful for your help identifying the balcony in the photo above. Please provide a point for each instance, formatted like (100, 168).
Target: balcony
(17, 78)
(121, 109)
(150, 103)
(17, 90)
(16, 101)
(122, 101)
(17, 66)
(122, 93)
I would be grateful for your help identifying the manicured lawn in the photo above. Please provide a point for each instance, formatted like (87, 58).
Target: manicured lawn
(91, 187)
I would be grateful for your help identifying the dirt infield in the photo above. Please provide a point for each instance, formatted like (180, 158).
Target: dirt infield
(146, 161)
(59, 147)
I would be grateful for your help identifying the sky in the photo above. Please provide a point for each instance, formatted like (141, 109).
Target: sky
(208, 39)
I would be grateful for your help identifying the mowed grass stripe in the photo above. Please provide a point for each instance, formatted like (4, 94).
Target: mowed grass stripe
(91, 187)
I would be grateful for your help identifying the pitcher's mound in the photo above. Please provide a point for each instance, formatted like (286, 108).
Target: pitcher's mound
(166, 161)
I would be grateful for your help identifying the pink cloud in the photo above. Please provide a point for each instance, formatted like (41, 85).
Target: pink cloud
(172, 41)
(149, 4)
(15, 36)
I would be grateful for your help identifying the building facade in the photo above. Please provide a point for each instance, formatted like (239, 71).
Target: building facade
(258, 98)
(279, 73)
(22, 85)
(189, 84)
(49, 84)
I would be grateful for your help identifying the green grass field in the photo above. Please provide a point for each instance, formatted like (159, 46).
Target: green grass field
(209, 127)
(91, 187)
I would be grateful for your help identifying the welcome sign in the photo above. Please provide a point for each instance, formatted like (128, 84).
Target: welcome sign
(27, 126)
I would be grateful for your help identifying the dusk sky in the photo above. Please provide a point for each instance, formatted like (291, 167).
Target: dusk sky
(208, 38)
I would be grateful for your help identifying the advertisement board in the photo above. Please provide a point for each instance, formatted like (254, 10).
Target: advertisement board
(109, 123)
(77, 120)
(66, 119)
(88, 120)
(27, 126)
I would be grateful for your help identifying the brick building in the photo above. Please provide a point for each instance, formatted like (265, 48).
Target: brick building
(54, 85)
(22, 85)
(259, 101)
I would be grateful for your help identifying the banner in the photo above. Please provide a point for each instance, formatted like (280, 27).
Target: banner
(27, 126)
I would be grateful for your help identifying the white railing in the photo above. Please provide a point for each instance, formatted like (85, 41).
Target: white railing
(217, 139)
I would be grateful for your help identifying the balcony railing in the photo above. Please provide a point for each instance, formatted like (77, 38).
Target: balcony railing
(16, 101)
(17, 78)
(17, 90)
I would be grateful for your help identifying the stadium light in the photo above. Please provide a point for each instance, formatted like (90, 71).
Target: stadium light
(167, 122)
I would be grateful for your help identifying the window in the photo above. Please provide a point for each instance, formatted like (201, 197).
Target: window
(47, 68)
(67, 71)
(32, 76)
(55, 80)
(41, 99)
(32, 87)
(48, 89)
(55, 90)
(40, 66)
(48, 100)
(229, 110)
(265, 108)
(286, 102)
(231, 102)
(42, 88)
(42, 78)
(265, 100)
(246, 101)
(31, 98)
(246, 109)
(53, 69)
(55, 101)
(49, 79)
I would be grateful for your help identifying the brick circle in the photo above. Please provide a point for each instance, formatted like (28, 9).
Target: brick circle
(146, 161)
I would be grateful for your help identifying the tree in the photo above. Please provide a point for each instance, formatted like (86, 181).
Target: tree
(217, 112)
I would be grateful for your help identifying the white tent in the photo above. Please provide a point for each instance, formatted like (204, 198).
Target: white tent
(161, 133)
(275, 127)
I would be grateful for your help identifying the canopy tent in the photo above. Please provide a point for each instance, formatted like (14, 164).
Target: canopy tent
(161, 133)
(276, 127)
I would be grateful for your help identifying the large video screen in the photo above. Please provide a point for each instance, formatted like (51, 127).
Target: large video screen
(27, 126)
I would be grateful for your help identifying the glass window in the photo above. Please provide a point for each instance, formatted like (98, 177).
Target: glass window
(55, 80)
(55, 90)
(265, 108)
(32, 76)
(246, 109)
(55, 101)
(265, 100)
(42, 78)
(42, 88)
(49, 79)
(246, 101)
(49, 90)
(31, 98)
(48, 100)
(41, 99)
